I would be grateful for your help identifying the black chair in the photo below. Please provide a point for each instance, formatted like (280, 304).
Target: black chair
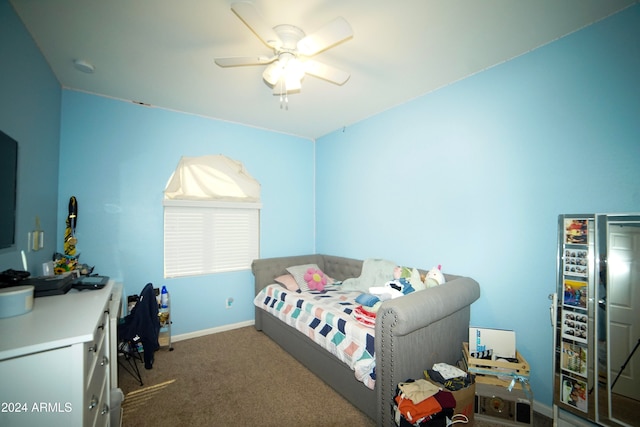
(130, 352)
(141, 326)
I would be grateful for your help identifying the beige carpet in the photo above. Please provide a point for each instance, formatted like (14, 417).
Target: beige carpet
(233, 378)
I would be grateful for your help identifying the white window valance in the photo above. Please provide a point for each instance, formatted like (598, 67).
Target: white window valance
(214, 178)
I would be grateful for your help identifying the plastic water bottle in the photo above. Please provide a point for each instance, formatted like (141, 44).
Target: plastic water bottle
(164, 298)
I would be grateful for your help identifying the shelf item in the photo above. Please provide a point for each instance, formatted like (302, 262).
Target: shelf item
(164, 316)
(498, 372)
(501, 407)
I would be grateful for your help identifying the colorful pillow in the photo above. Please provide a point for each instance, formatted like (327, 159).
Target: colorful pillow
(299, 271)
(315, 279)
(288, 282)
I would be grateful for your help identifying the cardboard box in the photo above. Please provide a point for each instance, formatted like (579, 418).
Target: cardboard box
(501, 341)
(465, 400)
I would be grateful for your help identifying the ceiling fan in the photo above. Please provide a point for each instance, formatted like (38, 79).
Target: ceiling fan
(292, 50)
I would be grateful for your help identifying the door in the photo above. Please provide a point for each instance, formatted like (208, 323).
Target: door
(624, 307)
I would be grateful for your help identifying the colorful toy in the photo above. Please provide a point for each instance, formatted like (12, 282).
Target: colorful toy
(64, 263)
(434, 277)
(70, 240)
(402, 285)
(411, 275)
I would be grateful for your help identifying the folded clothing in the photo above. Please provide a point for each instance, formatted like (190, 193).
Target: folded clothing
(364, 316)
(367, 300)
(413, 412)
(421, 403)
(448, 371)
(418, 390)
(451, 384)
(445, 399)
(441, 419)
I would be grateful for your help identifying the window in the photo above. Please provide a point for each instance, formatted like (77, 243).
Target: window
(209, 237)
(211, 224)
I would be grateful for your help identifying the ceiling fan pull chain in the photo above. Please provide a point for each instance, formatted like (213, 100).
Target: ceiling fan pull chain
(281, 95)
(284, 95)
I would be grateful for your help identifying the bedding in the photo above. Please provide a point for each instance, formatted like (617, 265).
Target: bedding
(326, 317)
(411, 333)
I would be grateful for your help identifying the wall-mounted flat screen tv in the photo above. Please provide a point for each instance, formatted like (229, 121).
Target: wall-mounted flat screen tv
(8, 185)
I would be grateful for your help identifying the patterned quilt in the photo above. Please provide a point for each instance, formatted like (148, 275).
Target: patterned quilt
(326, 317)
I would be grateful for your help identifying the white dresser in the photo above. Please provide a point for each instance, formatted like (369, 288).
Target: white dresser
(56, 361)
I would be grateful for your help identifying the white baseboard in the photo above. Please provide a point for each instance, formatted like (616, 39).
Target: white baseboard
(215, 330)
(543, 409)
(567, 419)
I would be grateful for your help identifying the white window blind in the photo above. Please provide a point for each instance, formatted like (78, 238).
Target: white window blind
(203, 237)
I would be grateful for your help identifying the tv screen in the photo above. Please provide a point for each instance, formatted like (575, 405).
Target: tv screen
(8, 182)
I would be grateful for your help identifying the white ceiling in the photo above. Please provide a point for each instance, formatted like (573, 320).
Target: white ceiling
(161, 52)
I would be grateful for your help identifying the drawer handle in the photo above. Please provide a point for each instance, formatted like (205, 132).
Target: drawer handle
(105, 409)
(94, 402)
(105, 361)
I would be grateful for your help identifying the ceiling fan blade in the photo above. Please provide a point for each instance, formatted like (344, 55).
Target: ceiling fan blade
(326, 72)
(248, 13)
(237, 61)
(331, 34)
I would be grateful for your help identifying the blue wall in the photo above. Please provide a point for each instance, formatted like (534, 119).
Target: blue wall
(30, 114)
(116, 159)
(471, 176)
(474, 175)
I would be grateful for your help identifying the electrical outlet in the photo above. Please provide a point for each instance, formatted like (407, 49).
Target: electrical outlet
(228, 302)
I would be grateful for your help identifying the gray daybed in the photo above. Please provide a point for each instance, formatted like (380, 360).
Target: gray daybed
(411, 333)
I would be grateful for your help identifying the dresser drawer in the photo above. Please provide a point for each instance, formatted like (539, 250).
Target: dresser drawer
(103, 416)
(95, 349)
(96, 402)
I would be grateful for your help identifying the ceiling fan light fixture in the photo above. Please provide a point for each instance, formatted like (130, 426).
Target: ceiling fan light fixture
(294, 69)
(292, 83)
(286, 72)
(272, 73)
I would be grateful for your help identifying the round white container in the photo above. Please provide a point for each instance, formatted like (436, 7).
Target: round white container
(16, 300)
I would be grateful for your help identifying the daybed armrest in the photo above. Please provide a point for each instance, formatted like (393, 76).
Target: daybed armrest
(417, 330)
(420, 309)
